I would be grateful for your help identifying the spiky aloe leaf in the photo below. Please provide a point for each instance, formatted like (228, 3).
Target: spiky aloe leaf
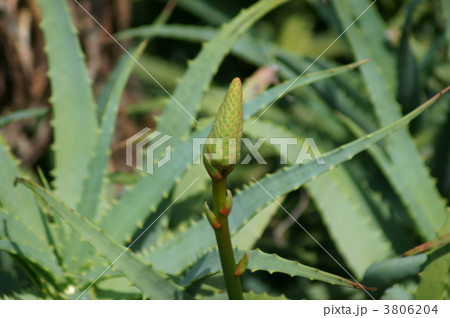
(95, 181)
(74, 108)
(22, 227)
(227, 128)
(17, 201)
(95, 178)
(418, 193)
(32, 254)
(153, 283)
(435, 279)
(258, 260)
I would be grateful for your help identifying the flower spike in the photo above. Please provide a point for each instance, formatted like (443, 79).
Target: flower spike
(227, 127)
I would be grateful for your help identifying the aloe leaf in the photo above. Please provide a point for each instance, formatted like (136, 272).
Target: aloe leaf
(408, 73)
(137, 207)
(21, 220)
(181, 251)
(18, 201)
(388, 272)
(175, 120)
(33, 255)
(209, 264)
(74, 109)
(423, 202)
(93, 184)
(153, 283)
(343, 206)
(17, 239)
(251, 232)
(435, 279)
(22, 114)
(446, 228)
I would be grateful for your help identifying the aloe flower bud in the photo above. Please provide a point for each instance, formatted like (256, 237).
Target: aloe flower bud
(223, 148)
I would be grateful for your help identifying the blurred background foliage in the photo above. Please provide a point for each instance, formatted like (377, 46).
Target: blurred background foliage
(416, 38)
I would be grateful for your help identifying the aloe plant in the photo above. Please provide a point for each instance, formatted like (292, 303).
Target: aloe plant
(76, 237)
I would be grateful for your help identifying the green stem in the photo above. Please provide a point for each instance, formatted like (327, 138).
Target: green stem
(223, 239)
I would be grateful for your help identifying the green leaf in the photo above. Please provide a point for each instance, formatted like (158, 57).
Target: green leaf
(21, 220)
(209, 264)
(423, 202)
(18, 202)
(251, 232)
(408, 72)
(191, 244)
(153, 283)
(388, 272)
(34, 255)
(74, 109)
(343, 206)
(435, 278)
(23, 114)
(18, 239)
(93, 184)
(175, 121)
